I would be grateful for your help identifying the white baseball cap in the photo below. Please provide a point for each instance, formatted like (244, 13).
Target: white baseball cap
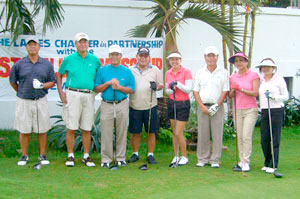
(175, 55)
(80, 36)
(114, 49)
(32, 38)
(211, 49)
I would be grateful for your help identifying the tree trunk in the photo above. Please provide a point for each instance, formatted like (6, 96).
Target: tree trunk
(253, 15)
(246, 28)
(223, 39)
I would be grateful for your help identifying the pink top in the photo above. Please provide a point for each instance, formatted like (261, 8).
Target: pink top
(181, 76)
(245, 81)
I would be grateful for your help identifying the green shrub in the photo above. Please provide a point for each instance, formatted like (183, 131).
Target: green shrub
(292, 112)
(57, 134)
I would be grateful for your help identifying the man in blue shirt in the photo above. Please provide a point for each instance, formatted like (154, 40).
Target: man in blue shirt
(115, 81)
(31, 77)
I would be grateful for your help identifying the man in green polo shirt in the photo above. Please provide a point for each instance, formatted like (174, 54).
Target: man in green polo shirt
(78, 100)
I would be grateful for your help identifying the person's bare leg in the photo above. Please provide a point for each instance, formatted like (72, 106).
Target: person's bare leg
(174, 141)
(181, 139)
(70, 140)
(151, 142)
(86, 141)
(24, 141)
(43, 143)
(135, 142)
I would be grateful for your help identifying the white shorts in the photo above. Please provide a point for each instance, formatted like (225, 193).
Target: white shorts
(32, 116)
(79, 111)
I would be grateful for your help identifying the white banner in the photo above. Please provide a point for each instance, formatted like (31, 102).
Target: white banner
(55, 49)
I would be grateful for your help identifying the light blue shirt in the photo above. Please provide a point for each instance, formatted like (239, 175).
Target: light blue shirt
(122, 74)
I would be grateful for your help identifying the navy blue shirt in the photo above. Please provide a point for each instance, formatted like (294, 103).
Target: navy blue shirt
(23, 73)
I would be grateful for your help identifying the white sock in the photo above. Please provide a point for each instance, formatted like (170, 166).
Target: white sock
(150, 154)
(85, 155)
(136, 153)
(70, 155)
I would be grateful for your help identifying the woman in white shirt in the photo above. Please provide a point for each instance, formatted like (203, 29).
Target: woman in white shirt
(275, 86)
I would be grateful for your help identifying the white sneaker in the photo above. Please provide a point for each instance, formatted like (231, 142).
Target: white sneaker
(44, 160)
(70, 162)
(215, 165)
(240, 164)
(105, 165)
(246, 167)
(175, 159)
(270, 170)
(183, 161)
(264, 168)
(23, 160)
(200, 164)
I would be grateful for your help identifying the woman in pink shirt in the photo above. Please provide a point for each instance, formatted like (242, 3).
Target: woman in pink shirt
(179, 80)
(244, 86)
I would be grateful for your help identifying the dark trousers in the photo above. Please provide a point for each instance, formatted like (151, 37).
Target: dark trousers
(277, 115)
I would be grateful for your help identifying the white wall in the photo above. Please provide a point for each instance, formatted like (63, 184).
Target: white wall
(277, 35)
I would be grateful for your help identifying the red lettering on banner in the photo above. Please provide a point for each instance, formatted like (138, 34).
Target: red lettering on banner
(15, 59)
(125, 62)
(4, 63)
(133, 62)
(158, 63)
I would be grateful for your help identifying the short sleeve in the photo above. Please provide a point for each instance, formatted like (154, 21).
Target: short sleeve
(188, 74)
(99, 79)
(226, 81)
(131, 80)
(63, 67)
(51, 77)
(13, 75)
(159, 78)
(196, 86)
(255, 76)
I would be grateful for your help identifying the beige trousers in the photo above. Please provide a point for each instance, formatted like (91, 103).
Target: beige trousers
(210, 127)
(107, 130)
(245, 123)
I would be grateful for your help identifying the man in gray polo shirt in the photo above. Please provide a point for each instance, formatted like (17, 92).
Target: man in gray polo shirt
(139, 103)
(31, 77)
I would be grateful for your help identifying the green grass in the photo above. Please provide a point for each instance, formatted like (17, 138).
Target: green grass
(160, 181)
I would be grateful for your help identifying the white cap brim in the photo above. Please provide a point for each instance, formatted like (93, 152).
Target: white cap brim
(174, 55)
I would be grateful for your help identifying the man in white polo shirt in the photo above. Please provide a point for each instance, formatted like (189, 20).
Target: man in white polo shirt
(210, 90)
(148, 79)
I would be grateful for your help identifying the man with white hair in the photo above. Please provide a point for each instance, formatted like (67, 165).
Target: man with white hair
(210, 90)
(115, 82)
(78, 100)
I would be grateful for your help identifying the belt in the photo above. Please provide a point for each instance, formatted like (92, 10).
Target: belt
(80, 90)
(208, 104)
(116, 102)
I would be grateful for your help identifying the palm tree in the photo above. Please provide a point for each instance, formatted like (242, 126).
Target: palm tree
(168, 14)
(19, 18)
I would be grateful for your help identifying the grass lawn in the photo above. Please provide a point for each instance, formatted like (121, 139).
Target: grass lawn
(160, 181)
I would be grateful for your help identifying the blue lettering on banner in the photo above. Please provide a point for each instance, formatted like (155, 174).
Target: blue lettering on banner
(136, 43)
(66, 51)
(64, 43)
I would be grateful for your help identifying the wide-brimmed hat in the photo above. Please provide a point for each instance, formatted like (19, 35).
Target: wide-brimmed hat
(267, 62)
(239, 54)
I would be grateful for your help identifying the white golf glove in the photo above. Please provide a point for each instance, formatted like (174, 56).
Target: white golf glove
(37, 84)
(213, 109)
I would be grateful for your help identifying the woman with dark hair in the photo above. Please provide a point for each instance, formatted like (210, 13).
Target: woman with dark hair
(272, 86)
(179, 84)
(244, 86)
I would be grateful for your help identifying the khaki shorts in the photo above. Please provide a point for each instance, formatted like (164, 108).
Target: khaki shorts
(79, 111)
(26, 116)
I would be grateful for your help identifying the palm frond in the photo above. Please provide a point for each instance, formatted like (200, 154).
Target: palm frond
(140, 31)
(18, 19)
(53, 13)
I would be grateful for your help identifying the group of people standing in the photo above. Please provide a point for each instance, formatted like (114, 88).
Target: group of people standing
(130, 92)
